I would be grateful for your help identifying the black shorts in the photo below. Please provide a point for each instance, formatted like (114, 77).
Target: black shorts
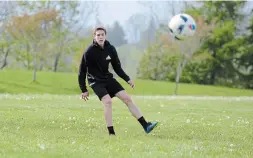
(111, 87)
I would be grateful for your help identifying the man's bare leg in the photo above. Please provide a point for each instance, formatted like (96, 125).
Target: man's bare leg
(107, 102)
(123, 96)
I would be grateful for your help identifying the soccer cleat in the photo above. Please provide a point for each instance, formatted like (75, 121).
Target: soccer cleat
(151, 126)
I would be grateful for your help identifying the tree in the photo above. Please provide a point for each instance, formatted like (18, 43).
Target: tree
(135, 25)
(149, 35)
(79, 48)
(68, 25)
(87, 11)
(190, 46)
(224, 13)
(116, 35)
(220, 37)
(29, 30)
(159, 60)
(244, 59)
(5, 48)
(5, 40)
(167, 55)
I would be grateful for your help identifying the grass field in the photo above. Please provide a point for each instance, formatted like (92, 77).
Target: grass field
(65, 126)
(16, 82)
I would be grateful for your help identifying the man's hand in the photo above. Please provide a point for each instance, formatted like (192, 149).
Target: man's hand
(85, 95)
(131, 83)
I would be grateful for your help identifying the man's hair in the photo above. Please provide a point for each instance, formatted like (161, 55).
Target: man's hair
(99, 28)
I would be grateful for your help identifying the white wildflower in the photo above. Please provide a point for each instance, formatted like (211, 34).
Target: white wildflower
(188, 121)
(42, 146)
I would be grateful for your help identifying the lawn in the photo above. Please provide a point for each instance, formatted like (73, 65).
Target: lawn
(46, 125)
(15, 82)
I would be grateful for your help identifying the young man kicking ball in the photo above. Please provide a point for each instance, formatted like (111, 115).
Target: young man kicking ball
(95, 63)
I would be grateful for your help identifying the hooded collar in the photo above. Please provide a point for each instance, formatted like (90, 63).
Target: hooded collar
(107, 43)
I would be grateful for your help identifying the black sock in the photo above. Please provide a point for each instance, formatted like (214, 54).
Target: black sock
(111, 130)
(143, 122)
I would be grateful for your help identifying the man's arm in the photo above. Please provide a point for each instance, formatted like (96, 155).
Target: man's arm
(82, 73)
(117, 66)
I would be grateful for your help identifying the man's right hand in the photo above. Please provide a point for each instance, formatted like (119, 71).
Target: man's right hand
(85, 96)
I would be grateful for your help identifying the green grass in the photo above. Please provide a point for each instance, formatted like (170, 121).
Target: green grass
(15, 82)
(65, 126)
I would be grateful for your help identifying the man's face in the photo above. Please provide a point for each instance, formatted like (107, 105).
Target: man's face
(100, 37)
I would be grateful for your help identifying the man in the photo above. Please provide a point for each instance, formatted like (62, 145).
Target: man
(95, 64)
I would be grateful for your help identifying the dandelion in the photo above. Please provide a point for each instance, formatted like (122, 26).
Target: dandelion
(196, 147)
(42, 146)
(188, 121)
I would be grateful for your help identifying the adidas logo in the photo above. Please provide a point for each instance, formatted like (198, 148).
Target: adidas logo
(108, 58)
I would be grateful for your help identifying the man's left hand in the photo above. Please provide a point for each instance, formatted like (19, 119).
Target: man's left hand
(131, 83)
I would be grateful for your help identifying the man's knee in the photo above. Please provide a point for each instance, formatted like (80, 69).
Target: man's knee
(107, 101)
(126, 99)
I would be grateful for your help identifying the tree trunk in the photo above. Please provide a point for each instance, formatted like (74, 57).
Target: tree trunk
(213, 77)
(27, 56)
(58, 55)
(34, 74)
(41, 66)
(213, 73)
(56, 62)
(179, 71)
(35, 67)
(5, 59)
(177, 77)
(181, 64)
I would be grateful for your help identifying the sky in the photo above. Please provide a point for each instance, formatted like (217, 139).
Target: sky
(123, 10)
(120, 10)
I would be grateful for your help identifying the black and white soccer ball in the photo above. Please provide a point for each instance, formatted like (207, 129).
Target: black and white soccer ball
(182, 26)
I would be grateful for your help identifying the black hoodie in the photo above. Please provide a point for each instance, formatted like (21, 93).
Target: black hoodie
(95, 64)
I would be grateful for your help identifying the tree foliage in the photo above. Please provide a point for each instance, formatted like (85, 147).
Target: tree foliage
(215, 55)
(116, 35)
(29, 31)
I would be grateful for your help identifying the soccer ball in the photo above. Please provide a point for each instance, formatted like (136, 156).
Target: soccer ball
(182, 26)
